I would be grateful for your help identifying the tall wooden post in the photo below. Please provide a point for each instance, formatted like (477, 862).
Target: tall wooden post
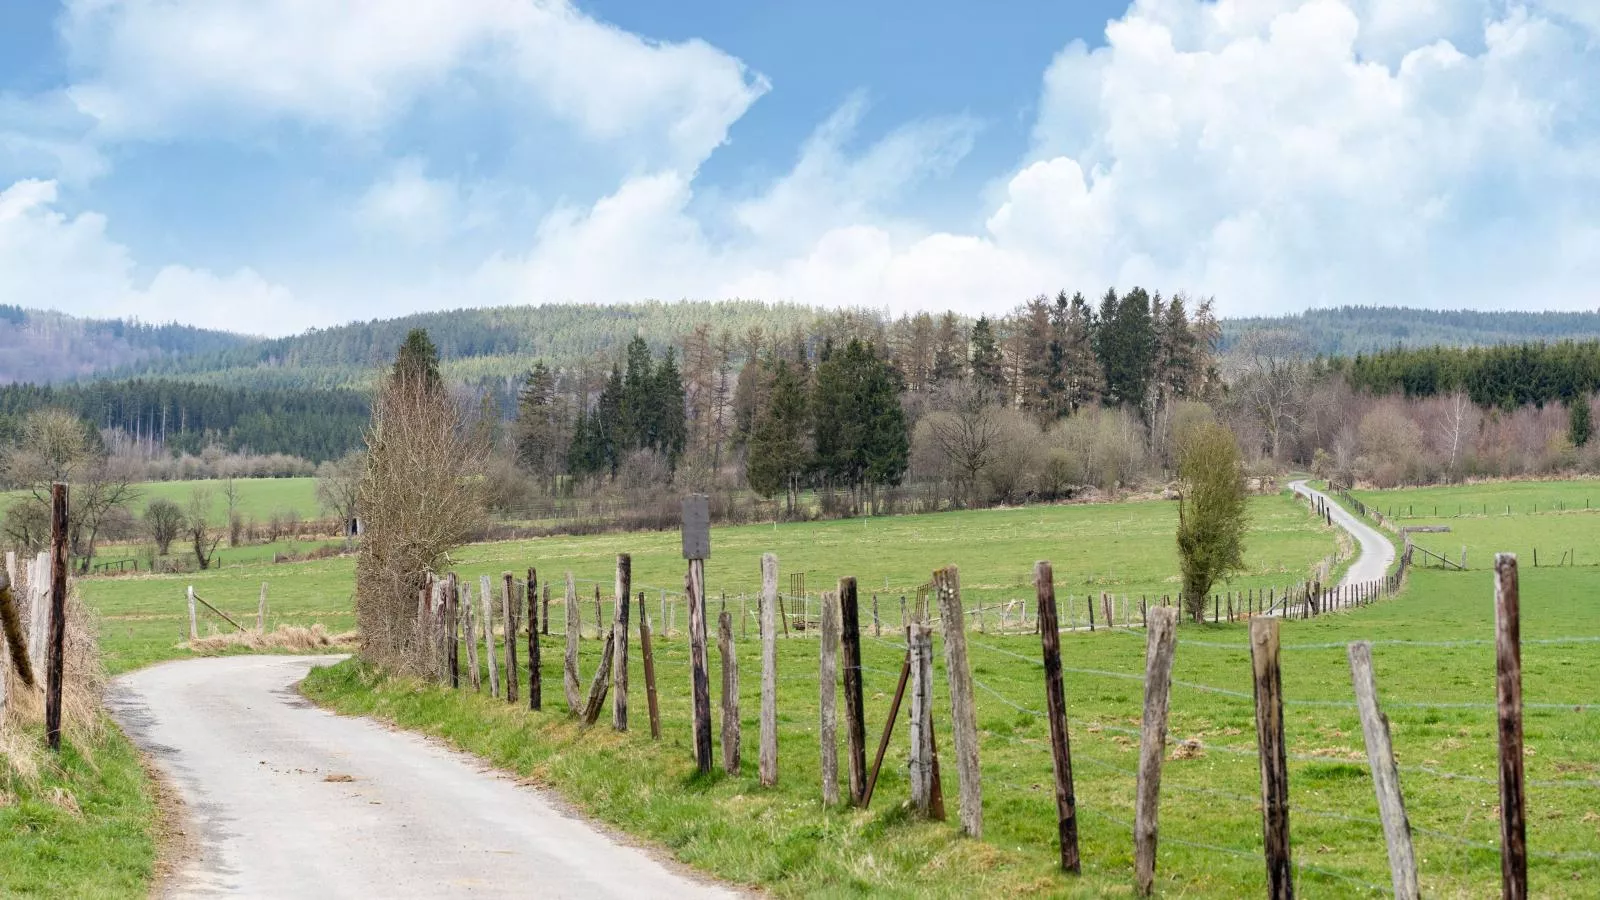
(194, 622)
(730, 693)
(963, 712)
(469, 629)
(696, 549)
(1160, 643)
(508, 610)
(535, 679)
(544, 621)
(827, 701)
(1044, 580)
(572, 626)
(769, 670)
(453, 650)
(1385, 774)
(261, 611)
(1274, 757)
(619, 658)
(1508, 701)
(649, 660)
(855, 727)
(486, 589)
(58, 614)
(919, 639)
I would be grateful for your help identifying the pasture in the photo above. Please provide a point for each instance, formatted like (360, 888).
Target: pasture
(259, 498)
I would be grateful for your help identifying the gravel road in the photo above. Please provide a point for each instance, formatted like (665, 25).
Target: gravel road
(1377, 553)
(288, 800)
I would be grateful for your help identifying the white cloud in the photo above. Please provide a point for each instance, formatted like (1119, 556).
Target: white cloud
(153, 68)
(52, 260)
(408, 204)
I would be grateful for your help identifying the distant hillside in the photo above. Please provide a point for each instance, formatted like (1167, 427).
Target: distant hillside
(490, 347)
(1348, 330)
(40, 346)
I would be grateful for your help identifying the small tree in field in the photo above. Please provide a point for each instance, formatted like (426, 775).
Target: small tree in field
(1211, 511)
(164, 520)
(421, 496)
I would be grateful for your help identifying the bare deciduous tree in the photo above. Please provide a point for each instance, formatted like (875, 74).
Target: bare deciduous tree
(1271, 376)
(968, 431)
(203, 539)
(56, 445)
(163, 519)
(339, 486)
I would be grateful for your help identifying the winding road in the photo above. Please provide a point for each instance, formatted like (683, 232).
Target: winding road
(287, 800)
(1377, 553)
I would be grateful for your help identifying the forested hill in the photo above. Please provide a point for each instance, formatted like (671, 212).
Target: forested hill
(485, 346)
(49, 346)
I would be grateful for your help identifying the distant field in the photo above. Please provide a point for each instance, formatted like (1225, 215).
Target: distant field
(1565, 529)
(1123, 548)
(1489, 498)
(259, 498)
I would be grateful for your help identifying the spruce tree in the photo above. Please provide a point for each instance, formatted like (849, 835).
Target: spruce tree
(780, 445)
(987, 369)
(670, 428)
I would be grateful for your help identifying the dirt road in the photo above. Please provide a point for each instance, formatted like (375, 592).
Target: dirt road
(1377, 553)
(291, 801)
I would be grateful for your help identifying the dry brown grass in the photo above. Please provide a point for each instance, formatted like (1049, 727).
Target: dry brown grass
(287, 638)
(82, 721)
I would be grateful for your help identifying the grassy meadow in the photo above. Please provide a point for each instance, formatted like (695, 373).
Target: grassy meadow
(259, 498)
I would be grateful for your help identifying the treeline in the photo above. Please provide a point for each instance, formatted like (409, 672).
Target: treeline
(1349, 330)
(1506, 377)
(49, 346)
(170, 418)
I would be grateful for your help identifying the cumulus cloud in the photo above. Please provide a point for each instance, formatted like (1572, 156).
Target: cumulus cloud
(52, 260)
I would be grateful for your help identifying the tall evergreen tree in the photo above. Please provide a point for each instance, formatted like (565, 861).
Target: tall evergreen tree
(1126, 346)
(861, 435)
(949, 351)
(418, 357)
(609, 425)
(671, 429)
(780, 447)
(538, 426)
(987, 367)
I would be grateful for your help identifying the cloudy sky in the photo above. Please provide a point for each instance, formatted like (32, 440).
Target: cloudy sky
(273, 165)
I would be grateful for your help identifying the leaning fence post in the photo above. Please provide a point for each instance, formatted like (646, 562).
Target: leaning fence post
(855, 727)
(648, 657)
(920, 653)
(535, 687)
(1160, 644)
(1044, 580)
(570, 626)
(828, 677)
(730, 693)
(1385, 774)
(602, 680)
(619, 630)
(963, 713)
(1508, 702)
(769, 670)
(1274, 756)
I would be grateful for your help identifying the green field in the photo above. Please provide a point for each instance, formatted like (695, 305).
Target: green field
(1122, 548)
(1487, 499)
(259, 498)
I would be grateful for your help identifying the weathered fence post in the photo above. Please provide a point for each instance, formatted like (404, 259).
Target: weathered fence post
(1160, 643)
(571, 627)
(619, 630)
(602, 680)
(919, 639)
(828, 678)
(649, 659)
(1044, 581)
(877, 625)
(1385, 774)
(261, 610)
(769, 670)
(508, 610)
(544, 623)
(1274, 756)
(11, 626)
(194, 622)
(453, 650)
(963, 712)
(696, 548)
(600, 629)
(730, 693)
(58, 614)
(486, 589)
(469, 627)
(1508, 702)
(535, 679)
(855, 726)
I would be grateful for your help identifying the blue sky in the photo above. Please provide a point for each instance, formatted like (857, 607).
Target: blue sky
(272, 165)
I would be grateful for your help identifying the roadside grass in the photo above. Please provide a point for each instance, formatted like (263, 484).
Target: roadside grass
(82, 825)
(1125, 548)
(784, 840)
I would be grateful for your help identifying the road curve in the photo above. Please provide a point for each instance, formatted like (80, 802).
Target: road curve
(1377, 553)
(289, 800)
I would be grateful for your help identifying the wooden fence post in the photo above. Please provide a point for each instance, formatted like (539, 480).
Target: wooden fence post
(544, 623)
(453, 650)
(1274, 757)
(769, 670)
(1508, 702)
(888, 728)
(261, 610)
(963, 712)
(194, 622)
(855, 726)
(730, 693)
(571, 626)
(828, 678)
(648, 657)
(1385, 774)
(11, 626)
(700, 679)
(602, 680)
(486, 589)
(535, 679)
(508, 610)
(877, 624)
(619, 629)
(1160, 644)
(920, 654)
(1044, 581)
(600, 629)
(58, 614)
(469, 627)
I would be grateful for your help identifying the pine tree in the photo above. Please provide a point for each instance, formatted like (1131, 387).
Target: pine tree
(418, 357)
(538, 429)
(987, 368)
(949, 351)
(861, 435)
(1126, 347)
(608, 424)
(671, 432)
(780, 449)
